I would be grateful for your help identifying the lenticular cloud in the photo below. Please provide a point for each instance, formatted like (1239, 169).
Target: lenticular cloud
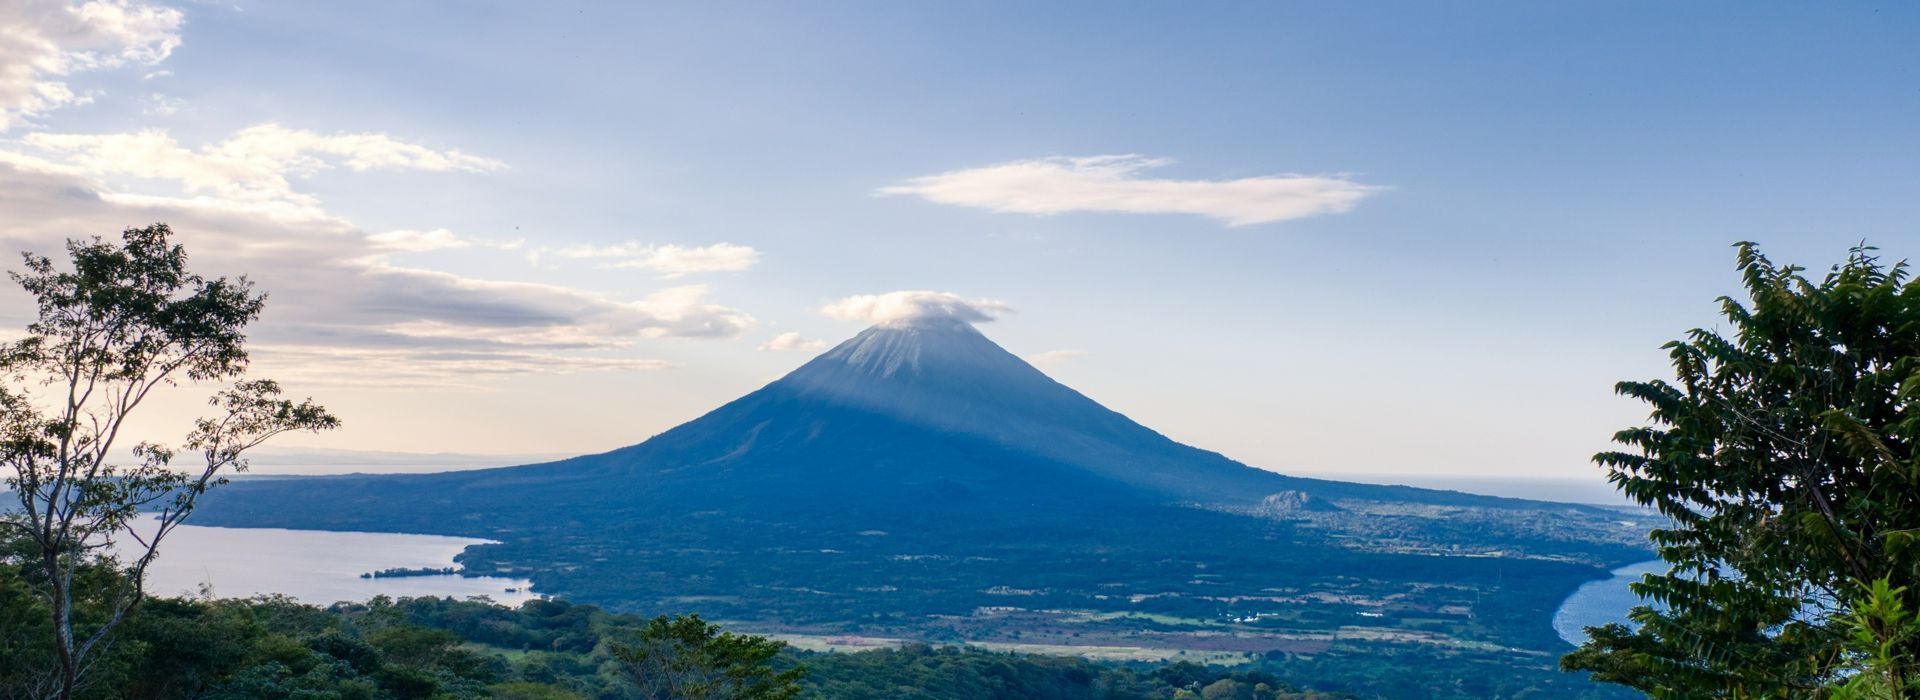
(1115, 183)
(910, 306)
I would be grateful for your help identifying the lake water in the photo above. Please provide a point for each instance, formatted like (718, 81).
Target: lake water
(317, 567)
(1600, 602)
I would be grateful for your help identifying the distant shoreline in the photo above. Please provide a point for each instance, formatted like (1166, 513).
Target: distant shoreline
(1595, 491)
(1589, 491)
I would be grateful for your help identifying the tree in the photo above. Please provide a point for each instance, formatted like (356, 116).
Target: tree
(687, 658)
(125, 320)
(1226, 689)
(532, 691)
(1879, 625)
(1784, 454)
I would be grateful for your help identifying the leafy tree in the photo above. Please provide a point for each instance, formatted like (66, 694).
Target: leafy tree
(1784, 454)
(1879, 624)
(687, 658)
(124, 320)
(532, 691)
(1227, 689)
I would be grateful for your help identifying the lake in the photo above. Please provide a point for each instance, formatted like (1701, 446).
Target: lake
(317, 567)
(1603, 601)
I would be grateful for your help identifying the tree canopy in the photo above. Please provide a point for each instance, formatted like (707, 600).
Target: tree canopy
(687, 658)
(1783, 451)
(119, 321)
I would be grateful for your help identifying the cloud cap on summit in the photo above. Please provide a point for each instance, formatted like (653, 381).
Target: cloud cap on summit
(905, 307)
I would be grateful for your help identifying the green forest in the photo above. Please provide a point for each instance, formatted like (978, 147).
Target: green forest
(548, 649)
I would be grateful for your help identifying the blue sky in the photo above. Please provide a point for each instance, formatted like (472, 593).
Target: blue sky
(1536, 195)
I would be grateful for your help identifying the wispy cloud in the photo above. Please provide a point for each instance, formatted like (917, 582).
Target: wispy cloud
(906, 306)
(426, 368)
(1114, 183)
(667, 260)
(42, 42)
(1054, 357)
(159, 105)
(792, 341)
(412, 241)
(249, 170)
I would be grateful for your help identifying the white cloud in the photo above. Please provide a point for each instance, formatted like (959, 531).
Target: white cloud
(1052, 357)
(410, 241)
(907, 306)
(333, 290)
(792, 341)
(1113, 184)
(248, 170)
(413, 241)
(44, 41)
(668, 260)
(339, 311)
(161, 106)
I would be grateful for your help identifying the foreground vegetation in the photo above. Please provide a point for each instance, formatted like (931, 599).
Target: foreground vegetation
(552, 650)
(1786, 451)
(114, 322)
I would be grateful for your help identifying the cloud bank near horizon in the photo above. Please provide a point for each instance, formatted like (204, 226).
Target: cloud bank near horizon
(342, 311)
(1114, 183)
(348, 314)
(905, 306)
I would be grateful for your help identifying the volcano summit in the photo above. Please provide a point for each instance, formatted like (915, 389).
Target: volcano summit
(918, 481)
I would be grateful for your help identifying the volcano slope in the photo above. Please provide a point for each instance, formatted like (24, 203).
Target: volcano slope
(920, 482)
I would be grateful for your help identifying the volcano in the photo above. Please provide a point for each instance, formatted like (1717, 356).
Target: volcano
(918, 471)
(913, 396)
(905, 415)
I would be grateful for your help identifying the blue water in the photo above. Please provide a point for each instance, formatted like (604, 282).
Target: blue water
(316, 567)
(1601, 602)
